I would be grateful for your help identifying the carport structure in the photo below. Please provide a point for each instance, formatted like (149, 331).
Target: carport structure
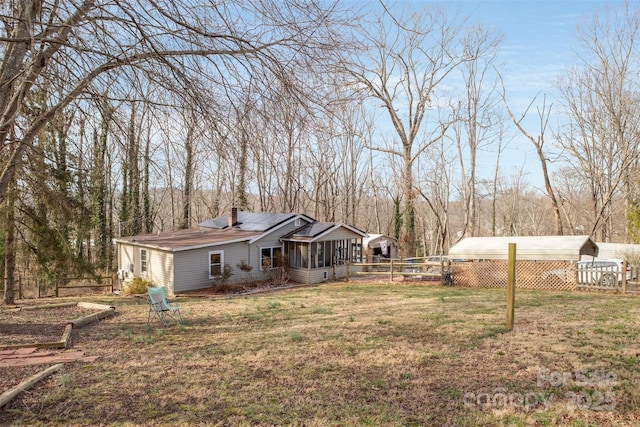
(542, 262)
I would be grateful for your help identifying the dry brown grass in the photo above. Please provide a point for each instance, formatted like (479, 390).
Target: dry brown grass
(353, 354)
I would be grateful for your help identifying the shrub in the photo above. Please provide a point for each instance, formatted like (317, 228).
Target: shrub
(278, 272)
(242, 265)
(225, 274)
(137, 286)
(247, 268)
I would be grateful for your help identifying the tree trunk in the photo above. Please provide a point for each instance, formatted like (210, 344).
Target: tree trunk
(242, 201)
(408, 234)
(550, 192)
(10, 250)
(147, 211)
(188, 177)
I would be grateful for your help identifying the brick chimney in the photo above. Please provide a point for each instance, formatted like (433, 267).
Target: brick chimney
(233, 217)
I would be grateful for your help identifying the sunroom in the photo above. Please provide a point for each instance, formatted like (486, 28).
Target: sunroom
(319, 251)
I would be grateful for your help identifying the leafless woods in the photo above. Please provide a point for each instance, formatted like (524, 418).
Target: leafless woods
(128, 117)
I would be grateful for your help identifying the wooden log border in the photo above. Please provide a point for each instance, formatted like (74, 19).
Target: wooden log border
(65, 340)
(9, 395)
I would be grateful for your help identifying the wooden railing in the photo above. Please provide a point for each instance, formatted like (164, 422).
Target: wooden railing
(31, 285)
(414, 268)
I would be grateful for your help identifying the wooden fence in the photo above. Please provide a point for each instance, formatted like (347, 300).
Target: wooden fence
(32, 287)
(544, 275)
(540, 275)
(415, 268)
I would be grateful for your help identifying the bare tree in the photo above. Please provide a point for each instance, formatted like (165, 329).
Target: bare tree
(496, 175)
(602, 104)
(189, 154)
(544, 112)
(435, 187)
(512, 192)
(476, 113)
(334, 163)
(90, 40)
(75, 52)
(573, 195)
(407, 61)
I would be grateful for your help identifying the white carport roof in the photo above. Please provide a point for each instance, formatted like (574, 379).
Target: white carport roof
(539, 248)
(373, 240)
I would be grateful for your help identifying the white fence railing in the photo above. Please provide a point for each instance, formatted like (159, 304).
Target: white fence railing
(605, 277)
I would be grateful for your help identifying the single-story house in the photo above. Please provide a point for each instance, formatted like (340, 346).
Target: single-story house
(248, 244)
(380, 245)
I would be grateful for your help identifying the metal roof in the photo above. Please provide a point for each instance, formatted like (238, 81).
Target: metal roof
(315, 230)
(374, 240)
(617, 250)
(252, 221)
(540, 248)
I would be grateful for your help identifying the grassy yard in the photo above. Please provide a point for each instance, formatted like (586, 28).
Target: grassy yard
(352, 355)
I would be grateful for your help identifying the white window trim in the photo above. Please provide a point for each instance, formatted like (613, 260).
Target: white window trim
(144, 264)
(272, 248)
(209, 262)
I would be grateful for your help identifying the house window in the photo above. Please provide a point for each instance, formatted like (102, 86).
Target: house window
(356, 252)
(298, 254)
(216, 261)
(298, 222)
(143, 260)
(320, 254)
(328, 253)
(293, 256)
(270, 257)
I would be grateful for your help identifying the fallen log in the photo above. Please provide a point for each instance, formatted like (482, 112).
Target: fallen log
(94, 306)
(82, 321)
(8, 396)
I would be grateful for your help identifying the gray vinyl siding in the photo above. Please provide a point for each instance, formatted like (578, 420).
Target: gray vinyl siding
(192, 266)
(316, 275)
(159, 265)
(340, 234)
(300, 275)
(270, 240)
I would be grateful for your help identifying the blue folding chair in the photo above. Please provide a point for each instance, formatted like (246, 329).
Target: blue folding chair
(164, 310)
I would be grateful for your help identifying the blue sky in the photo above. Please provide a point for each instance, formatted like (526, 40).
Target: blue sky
(539, 37)
(539, 45)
